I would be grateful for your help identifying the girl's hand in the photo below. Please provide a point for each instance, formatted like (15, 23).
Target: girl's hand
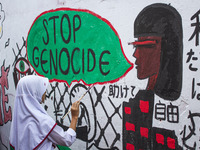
(75, 110)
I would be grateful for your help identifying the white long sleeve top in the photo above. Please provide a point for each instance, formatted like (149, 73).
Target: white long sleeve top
(32, 128)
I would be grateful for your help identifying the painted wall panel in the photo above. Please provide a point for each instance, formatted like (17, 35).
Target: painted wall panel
(142, 57)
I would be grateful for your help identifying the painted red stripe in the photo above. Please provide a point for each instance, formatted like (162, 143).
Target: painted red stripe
(138, 43)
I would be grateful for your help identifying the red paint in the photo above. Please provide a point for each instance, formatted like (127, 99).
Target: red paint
(152, 82)
(148, 42)
(1, 119)
(160, 139)
(130, 126)
(147, 56)
(129, 146)
(127, 110)
(144, 106)
(11, 146)
(171, 143)
(6, 112)
(144, 132)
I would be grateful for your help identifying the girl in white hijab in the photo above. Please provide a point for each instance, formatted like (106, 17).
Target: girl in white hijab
(32, 128)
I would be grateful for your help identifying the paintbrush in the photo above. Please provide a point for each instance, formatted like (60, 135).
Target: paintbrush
(79, 100)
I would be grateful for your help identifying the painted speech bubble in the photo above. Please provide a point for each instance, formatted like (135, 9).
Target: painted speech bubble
(72, 45)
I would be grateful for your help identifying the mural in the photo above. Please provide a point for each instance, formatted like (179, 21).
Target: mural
(146, 93)
(5, 109)
(88, 124)
(158, 28)
(77, 48)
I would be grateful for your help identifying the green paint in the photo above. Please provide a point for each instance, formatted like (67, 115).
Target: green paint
(63, 147)
(73, 45)
(11, 148)
(22, 66)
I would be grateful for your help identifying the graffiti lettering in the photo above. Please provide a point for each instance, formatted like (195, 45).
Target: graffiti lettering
(40, 59)
(171, 110)
(63, 24)
(160, 109)
(7, 114)
(120, 91)
(190, 56)
(172, 113)
(192, 129)
(197, 28)
(194, 92)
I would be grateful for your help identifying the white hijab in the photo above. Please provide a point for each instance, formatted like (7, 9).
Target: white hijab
(31, 124)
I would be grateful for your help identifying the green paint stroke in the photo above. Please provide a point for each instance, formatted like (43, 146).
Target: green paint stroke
(63, 147)
(22, 66)
(72, 45)
(11, 148)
